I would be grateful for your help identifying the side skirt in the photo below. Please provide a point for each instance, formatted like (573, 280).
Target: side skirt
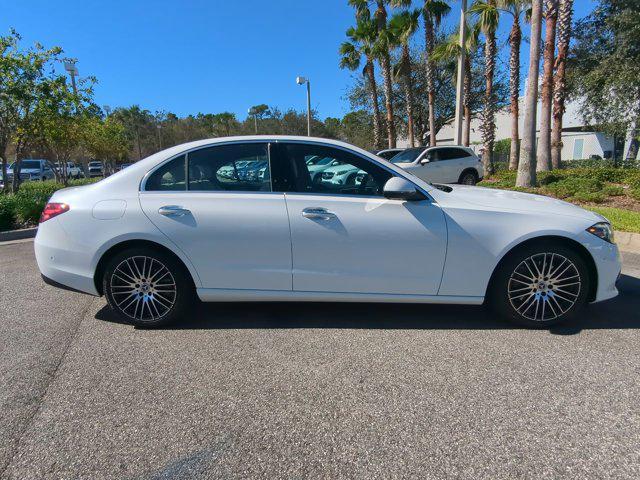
(224, 295)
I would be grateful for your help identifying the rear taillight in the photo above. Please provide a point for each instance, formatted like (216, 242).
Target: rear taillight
(53, 210)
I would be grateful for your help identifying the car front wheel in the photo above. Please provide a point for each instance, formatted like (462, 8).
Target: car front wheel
(148, 288)
(541, 285)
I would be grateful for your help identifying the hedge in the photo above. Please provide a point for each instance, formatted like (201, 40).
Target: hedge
(24, 208)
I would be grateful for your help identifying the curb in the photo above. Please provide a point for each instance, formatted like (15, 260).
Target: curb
(18, 234)
(626, 241)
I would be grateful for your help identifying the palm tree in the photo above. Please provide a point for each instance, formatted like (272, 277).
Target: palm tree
(515, 8)
(449, 50)
(362, 43)
(527, 166)
(559, 82)
(544, 143)
(433, 12)
(488, 18)
(382, 53)
(402, 26)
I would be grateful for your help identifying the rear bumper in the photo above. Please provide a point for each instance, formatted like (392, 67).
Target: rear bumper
(61, 264)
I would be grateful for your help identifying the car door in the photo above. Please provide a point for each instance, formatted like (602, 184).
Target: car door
(234, 230)
(454, 160)
(349, 238)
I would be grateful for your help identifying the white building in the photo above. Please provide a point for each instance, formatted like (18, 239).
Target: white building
(579, 140)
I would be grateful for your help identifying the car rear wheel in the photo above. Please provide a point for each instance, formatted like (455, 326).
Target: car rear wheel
(539, 286)
(468, 178)
(148, 288)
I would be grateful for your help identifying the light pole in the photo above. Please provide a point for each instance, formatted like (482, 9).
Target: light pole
(302, 81)
(70, 66)
(252, 111)
(460, 77)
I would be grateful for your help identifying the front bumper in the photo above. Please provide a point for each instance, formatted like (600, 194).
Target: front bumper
(608, 263)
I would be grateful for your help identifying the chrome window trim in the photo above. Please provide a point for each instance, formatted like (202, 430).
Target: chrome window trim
(267, 141)
(143, 182)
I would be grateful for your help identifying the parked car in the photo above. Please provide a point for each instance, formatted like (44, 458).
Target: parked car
(33, 170)
(73, 171)
(442, 164)
(340, 174)
(157, 240)
(316, 165)
(389, 153)
(95, 169)
(125, 165)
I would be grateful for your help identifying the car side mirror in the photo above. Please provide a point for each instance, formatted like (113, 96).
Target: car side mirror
(425, 160)
(398, 188)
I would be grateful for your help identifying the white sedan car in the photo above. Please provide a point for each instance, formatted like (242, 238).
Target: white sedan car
(170, 229)
(442, 164)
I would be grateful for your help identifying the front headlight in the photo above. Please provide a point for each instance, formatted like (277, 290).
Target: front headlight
(602, 230)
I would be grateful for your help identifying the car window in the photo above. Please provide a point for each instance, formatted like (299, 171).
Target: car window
(236, 167)
(30, 164)
(408, 156)
(346, 174)
(451, 153)
(170, 176)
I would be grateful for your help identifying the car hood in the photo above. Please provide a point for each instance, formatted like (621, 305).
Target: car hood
(508, 200)
(340, 168)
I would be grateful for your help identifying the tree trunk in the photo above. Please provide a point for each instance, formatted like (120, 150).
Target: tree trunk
(431, 94)
(488, 113)
(544, 144)
(373, 91)
(466, 104)
(388, 97)
(385, 63)
(527, 166)
(632, 152)
(408, 93)
(515, 38)
(560, 83)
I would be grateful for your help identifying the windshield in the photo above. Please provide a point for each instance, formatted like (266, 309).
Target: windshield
(29, 164)
(408, 156)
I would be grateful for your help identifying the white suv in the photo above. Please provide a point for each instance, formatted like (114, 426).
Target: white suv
(442, 164)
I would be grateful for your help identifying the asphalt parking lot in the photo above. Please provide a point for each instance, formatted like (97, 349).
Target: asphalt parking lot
(313, 391)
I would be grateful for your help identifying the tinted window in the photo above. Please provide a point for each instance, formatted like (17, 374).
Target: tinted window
(237, 167)
(408, 156)
(346, 173)
(30, 164)
(169, 176)
(388, 155)
(451, 153)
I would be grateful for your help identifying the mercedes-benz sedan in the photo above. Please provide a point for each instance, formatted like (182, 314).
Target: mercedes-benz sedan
(175, 227)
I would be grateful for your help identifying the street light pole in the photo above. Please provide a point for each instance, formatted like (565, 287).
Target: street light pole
(302, 81)
(460, 76)
(70, 66)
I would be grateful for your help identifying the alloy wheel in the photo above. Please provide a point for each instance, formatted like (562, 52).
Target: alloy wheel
(143, 288)
(544, 286)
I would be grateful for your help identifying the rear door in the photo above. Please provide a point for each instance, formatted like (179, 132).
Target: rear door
(346, 237)
(217, 205)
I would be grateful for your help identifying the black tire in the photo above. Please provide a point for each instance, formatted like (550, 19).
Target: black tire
(163, 298)
(468, 177)
(537, 302)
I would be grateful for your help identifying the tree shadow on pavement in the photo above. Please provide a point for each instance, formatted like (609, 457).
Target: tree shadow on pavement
(619, 313)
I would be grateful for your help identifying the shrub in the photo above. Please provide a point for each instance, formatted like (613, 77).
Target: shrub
(591, 197)
(613, 190)
(7, 212)
(570, 186)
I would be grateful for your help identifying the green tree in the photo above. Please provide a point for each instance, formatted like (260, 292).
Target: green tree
(604, 68)
(401, 27)
(565, 13)
(543, 162)
(107, 139)
(433, 12)
(362, 41)
(516, 9)
(488, 18)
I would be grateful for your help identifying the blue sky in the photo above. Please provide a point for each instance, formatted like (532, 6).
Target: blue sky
(194, 56)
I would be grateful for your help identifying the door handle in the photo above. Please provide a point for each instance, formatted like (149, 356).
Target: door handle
(318, 213)
(173, 211)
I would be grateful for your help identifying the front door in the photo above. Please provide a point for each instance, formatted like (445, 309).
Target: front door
(217, 205)
(346, 237)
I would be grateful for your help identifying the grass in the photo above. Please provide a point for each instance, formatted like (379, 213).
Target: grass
(623, 220)
(612, 192)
